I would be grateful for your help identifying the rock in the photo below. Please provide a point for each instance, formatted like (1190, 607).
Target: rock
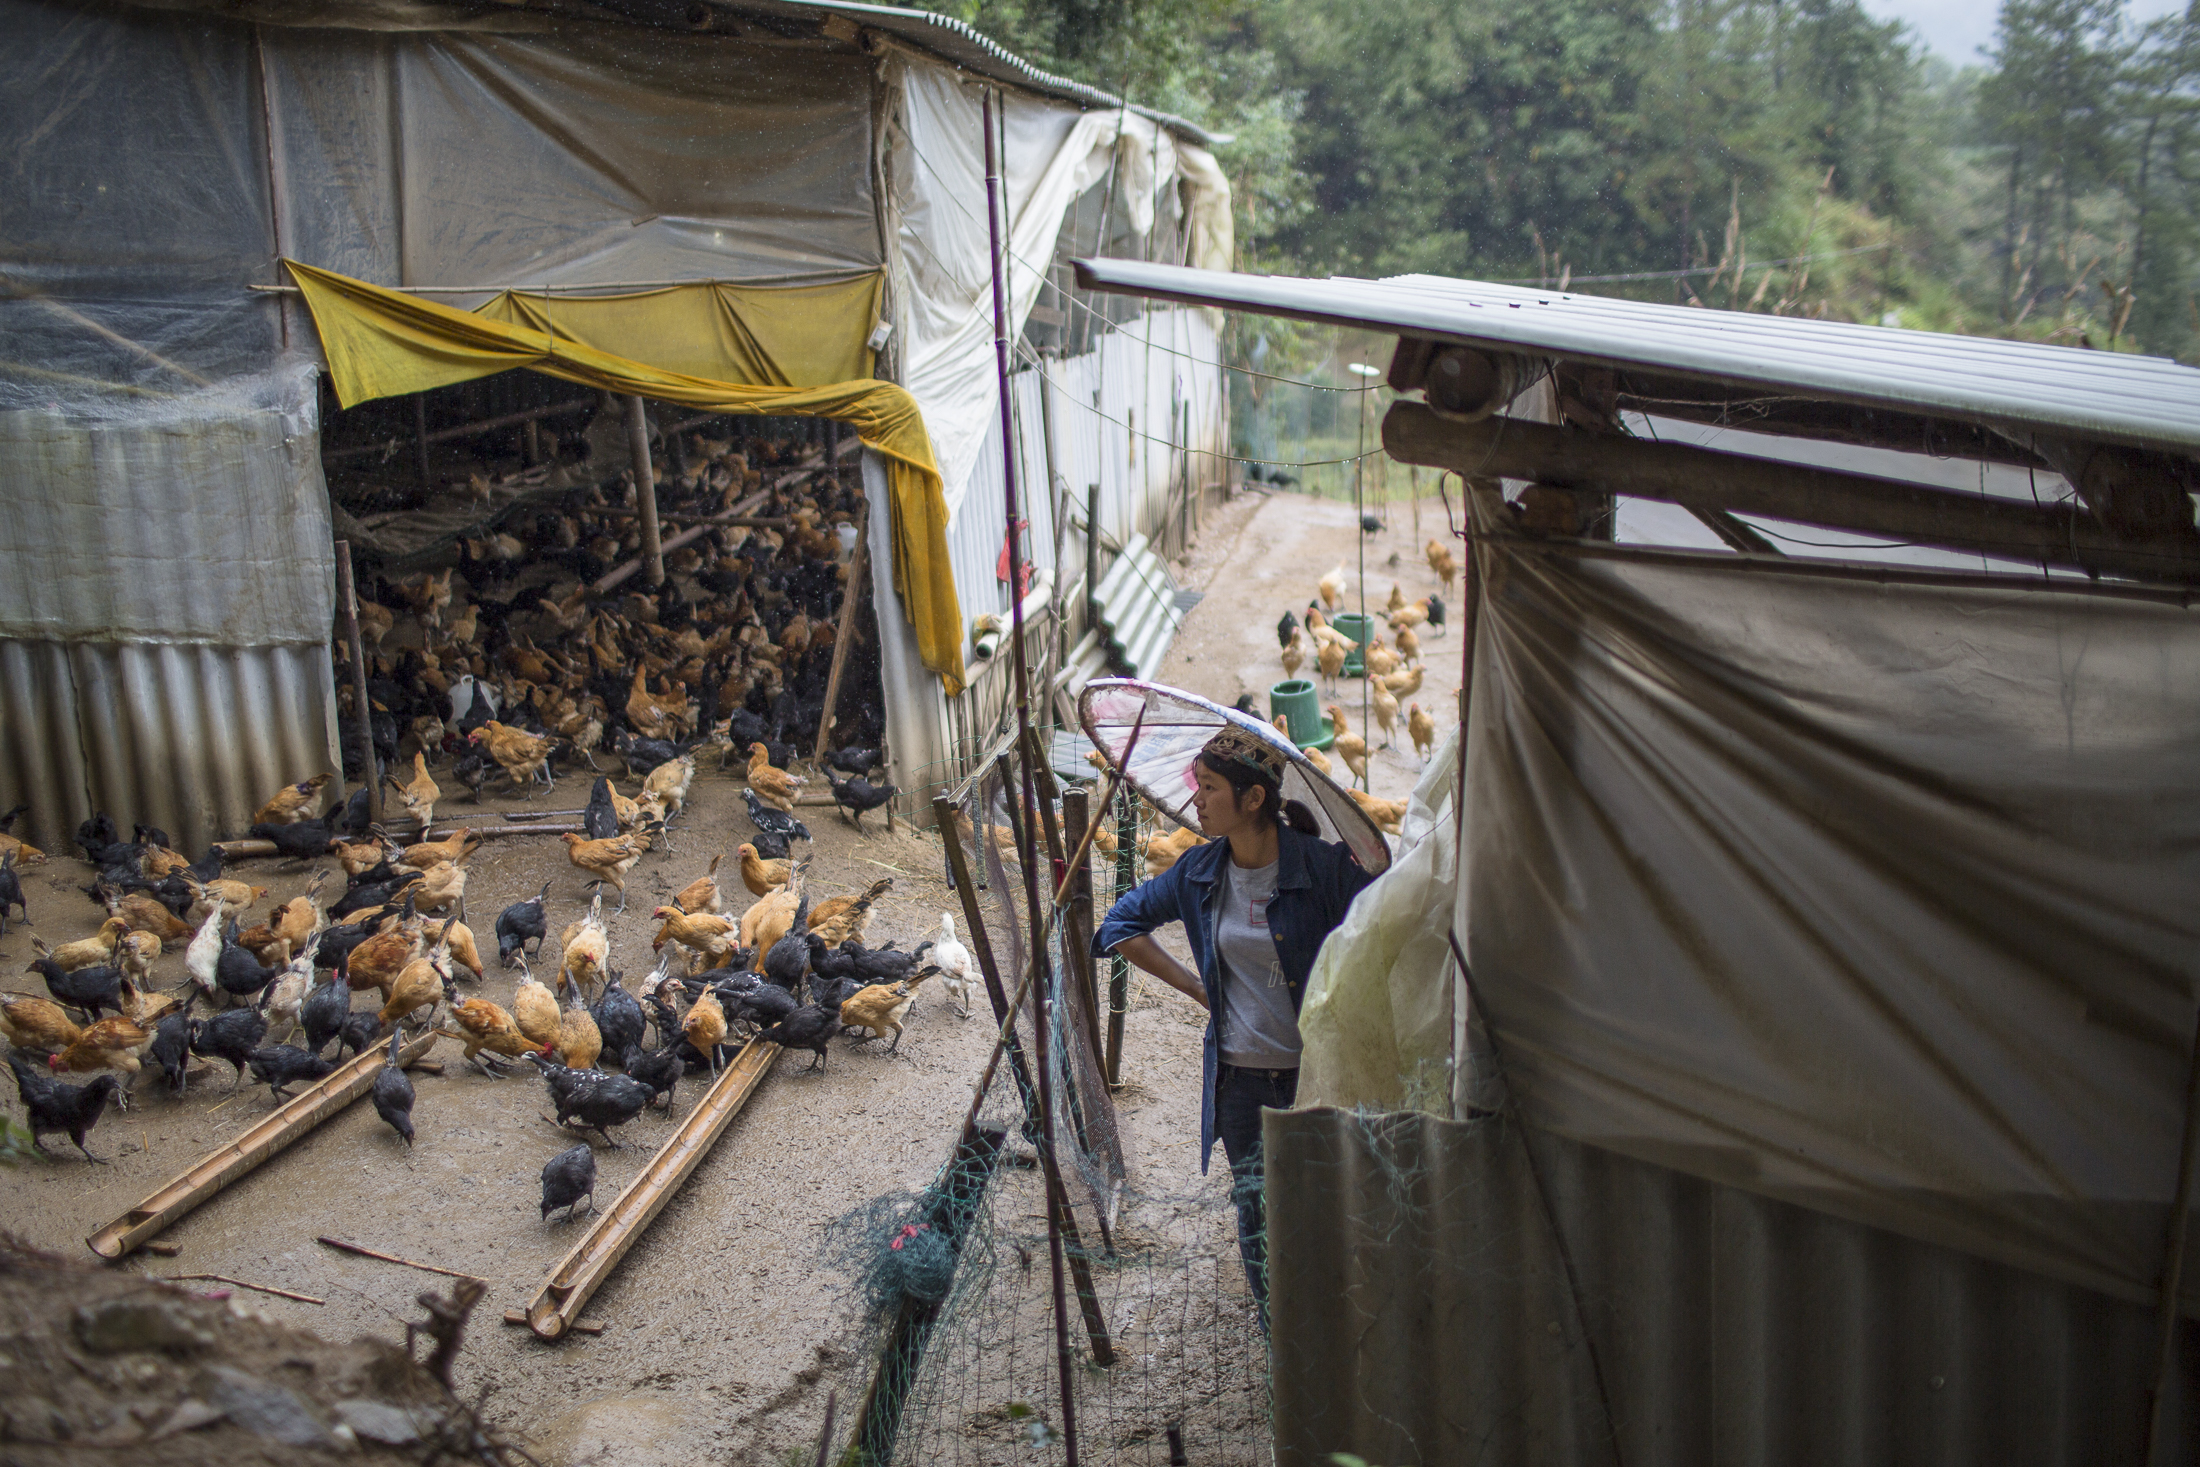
(140, 1322)
(189, 1415)
(264, 1409)
(377, 1421)
(33, 1419)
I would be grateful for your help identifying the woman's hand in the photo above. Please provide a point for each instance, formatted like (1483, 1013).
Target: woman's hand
(1149, 956)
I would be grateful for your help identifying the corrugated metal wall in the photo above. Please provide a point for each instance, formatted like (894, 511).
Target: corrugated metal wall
(1423, 1314)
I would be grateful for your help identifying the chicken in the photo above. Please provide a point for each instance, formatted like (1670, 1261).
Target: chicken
(585, 947)
(1397, 598)
(1380, 660)
(521, 755)
(854, 796)
(606, 860)
(293, 802)
(763, 924)
(420, 794)
(569, 1179)
(668, 783)
(775, 787)
(837, 919)
(1422, 728)
(453, 849)
(1294, 653)
(285, 1065)
(704, 932)
(171, 1050)
(112, 1045)
(702, 894)
(1163, 851)
(1409, 646)
(231, 1036)
(808, 1027)
(393, 1094)
(287, 927)
(1441, 561)
(579, 1041)
(522, 923)
(144, 914)
(602, 1101)
(760, 876)
(1386, 713)
(358, 856)
(376, 962)
(958, 974)
(51, 1107)
(484, 1025)
(421, 985)
(91, 990)
(1003, 838)
(441, 888)
(705, 1027)
(773, 824)
(29, 1022)
(1403, 684)
(1331, 587)
(535, 1011)
(17, 852)
(882, 1007)
(96, 951)
(657, 715)
(1331, 660)
(464, 954)
(1409, 616)
(11, 891)
(1385, 813)
(1319, 760)
(1347, 745)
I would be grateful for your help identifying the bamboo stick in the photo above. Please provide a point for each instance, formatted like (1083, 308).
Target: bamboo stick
(645, 491)
(236, 1158)
(222, 1278)
(842, 638)
(343, 1247)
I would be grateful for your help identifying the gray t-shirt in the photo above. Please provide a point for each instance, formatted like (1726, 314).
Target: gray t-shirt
(1260, 1028)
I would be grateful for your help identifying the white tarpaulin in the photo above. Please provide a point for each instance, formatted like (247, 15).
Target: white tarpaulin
(943, 290)
(1872, 895)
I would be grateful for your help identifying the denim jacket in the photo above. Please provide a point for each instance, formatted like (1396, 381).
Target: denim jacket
(1315, 882)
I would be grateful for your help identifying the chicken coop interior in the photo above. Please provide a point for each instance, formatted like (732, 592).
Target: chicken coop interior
(494, 533)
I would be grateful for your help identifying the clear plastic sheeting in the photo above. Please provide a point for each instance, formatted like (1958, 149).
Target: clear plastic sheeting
(1874, 895)
(1173, 726)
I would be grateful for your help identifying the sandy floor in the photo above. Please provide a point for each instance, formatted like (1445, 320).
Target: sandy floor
(726, 1325)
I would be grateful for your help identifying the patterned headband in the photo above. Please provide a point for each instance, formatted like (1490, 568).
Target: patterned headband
(1250, 750)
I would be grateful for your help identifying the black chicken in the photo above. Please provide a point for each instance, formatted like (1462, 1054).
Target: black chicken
(882, 964)
(1436, 612)
(337, 942)
(859, 795)
(618, 1016)
(326, 1007)
(594, 1100)
(659, 1069)
(359, 1033)
(364, 894)
(569, 1177)
(808, 1027)
(238, 972)
(230, 1036)
(854, 761)
(520, 924)
(774, 822)
(88, 989)
(171, 1048)
(11, 892)
(285, 1065)
(474, 769)
(1286, 628)
(300, 842)
(764, 1004)
(831, 993)
(393, 1094)
(358, 813)
(1369, 525)
(601, 819)
(53, 1107)
(789, 957)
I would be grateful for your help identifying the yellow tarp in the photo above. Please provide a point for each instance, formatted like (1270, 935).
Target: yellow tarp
(767, 336)
(384, 343)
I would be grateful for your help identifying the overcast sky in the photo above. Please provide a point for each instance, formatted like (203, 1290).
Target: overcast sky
(1957, 29)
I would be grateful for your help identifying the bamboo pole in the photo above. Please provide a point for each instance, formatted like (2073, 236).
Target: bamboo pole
(841, 640)
(467, 430)
(577, 1276)
(237, 1157)
(347, 604)
(645, 491)
(1077, 930)
(1119, 968)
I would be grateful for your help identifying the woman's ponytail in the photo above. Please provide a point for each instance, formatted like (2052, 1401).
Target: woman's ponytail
(1299, 818)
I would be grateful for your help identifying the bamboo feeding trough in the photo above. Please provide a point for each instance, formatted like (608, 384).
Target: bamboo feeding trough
(557, 1305)
(270, 1135)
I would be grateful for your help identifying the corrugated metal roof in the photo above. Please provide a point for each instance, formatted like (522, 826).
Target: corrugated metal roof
(1140, 608)
(2147, 401)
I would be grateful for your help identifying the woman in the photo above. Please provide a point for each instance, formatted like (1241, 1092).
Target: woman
(1256, 902)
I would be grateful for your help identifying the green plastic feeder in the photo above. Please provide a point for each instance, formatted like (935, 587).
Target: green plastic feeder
(1359, 628)
(1300, 706)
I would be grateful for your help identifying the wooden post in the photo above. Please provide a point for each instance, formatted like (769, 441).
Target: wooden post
(347, 607)
(841, 639)
(645, 491)
(981, 948)
(1119, 969)
(1092, 556)
(1077, 928)
(420, 437)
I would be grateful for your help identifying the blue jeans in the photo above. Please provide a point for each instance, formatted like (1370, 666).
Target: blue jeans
(1240, 1096)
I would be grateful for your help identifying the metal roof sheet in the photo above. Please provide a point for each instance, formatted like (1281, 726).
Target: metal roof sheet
(2147, 401)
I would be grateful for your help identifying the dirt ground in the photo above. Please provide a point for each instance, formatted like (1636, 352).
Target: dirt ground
(726, 1324)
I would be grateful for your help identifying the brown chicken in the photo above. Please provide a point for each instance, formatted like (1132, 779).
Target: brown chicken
(836, 919)
(1347, 745)
(293, 802)
(110, 1044)
(439, 889)
(25, 854)
(1331, 660)
(453, 848)
(579, 1042)
(705, 1027)
(96, 951)
(1385, 813)
(1403, 684)
(520, 754)
(235, 897)
(668, 783)
(358, 856)
(419, 986)
(760, 876)
(1409, 646)
(1386, 713)
(775, 787)
(287, 927)
(376, 962)
(135, 952)
(586, 948)
(769, 919)
(144, 914)
(535, 1011)
(1163, 851)
(1410, 615)
(702, 894)
(606, 860)
(1441, 561)
(418, 795)
(484, 1025)
(881, 1007)
(1422, 728)
(657, 715)
(463, 952)
(704, 932)
(1003, 838)
(1332, 586)
(159, 862)
(36, 1023)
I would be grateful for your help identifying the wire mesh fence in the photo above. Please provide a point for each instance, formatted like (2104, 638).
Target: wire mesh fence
(1166, 1358)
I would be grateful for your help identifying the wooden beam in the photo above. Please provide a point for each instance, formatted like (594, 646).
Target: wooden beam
(570, 1285)
(645, 491)
(1704, 479)
(234, 1158)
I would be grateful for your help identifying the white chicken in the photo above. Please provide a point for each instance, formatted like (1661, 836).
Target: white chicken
(205, 952)
(957, 975)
